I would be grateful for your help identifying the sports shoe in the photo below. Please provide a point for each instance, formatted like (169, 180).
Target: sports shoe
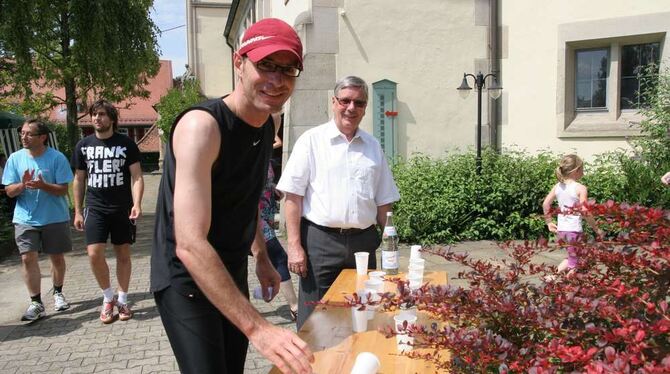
(60, 303)
(34, 312)
(107, 312)
(124, 311)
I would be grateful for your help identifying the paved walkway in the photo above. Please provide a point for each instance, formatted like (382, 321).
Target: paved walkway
(75, 341)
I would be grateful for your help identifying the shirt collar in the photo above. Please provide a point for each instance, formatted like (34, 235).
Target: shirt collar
(334, 133)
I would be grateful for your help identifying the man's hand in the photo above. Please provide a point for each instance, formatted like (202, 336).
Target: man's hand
(284, 348)
(297, 262)
(35, 184)
(135, 212)
(268, 277)
(78, 221)
(27, 177)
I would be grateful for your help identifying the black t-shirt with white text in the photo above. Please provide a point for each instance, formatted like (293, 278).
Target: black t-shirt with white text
(107, 165)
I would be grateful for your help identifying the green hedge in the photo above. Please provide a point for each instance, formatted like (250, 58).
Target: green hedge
(443, 200)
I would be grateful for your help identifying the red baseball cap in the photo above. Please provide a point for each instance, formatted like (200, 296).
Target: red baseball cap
(268, 36)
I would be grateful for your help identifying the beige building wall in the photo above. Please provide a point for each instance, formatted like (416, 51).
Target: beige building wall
(425, 48)
(538, 70)
(209, 57)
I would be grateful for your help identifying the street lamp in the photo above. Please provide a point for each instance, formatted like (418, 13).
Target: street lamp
(494, 91)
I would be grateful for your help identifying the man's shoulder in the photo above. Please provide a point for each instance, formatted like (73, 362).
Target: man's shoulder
(316, 131)
(86, 140)
(56, 154)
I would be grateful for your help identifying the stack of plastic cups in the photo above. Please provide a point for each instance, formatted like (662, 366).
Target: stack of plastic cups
(403, 340)
(373, 286)
(359, 318)
(415, 272)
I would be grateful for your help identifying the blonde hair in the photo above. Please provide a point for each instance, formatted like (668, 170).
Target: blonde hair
(568, 165)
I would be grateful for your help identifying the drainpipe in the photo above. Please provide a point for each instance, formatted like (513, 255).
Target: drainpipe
(494, 61)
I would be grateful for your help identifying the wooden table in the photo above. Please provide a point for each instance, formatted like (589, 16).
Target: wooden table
(329, 334)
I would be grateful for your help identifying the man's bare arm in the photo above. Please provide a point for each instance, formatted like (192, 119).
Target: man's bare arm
(137, 189)
(195, 151)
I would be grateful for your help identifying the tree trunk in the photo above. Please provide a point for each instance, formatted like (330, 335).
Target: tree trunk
(69, 83)
(71, 120)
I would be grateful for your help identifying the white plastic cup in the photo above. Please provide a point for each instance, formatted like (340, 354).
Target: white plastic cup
(362, 262)
(414, 252)
(374, 284)
(404, 343)
(400, 318)
(377, 275)
(402, 339)
(359, 319)
(415, 281)
(415, 270)
(417, 261)
(372, 295)
(258, 294)
(366, 363)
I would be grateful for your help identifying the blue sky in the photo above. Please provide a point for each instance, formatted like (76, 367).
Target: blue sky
(168, 14)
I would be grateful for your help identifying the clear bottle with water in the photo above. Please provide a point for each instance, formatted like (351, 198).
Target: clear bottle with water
(390, 246)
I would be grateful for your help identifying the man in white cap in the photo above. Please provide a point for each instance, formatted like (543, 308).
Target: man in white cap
(207, 215)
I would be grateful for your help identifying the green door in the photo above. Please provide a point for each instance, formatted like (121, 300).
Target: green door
(385, 115)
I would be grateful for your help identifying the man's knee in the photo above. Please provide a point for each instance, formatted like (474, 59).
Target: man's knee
(96, 251)
(122, 254)
(29, 258)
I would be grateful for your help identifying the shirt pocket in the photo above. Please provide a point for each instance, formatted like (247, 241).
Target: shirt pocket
(364, 178)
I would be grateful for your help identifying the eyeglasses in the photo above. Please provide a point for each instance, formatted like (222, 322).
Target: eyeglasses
(357, 103)
(271, 67)
(29, 134)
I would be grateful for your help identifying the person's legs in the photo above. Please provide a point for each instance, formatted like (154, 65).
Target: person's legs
(569, 237)
(28, 241)
(30, 269)
(122, 233)
(326, 256)
(55, 242)
(123, 266)
(279, 260)
(202, 339)
(57, 269)
(195, 330)
(96, 257)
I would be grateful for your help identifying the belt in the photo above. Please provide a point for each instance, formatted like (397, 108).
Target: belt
(338, 230)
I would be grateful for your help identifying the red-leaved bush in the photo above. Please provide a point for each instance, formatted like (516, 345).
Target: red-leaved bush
(609, 316)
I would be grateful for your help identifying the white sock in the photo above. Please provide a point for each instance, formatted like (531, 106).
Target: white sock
(108, 295)
(123, 297)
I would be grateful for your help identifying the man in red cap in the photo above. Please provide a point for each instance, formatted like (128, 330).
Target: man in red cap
(207, 215)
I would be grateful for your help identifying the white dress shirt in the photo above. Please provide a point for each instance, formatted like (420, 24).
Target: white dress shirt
(342, 182)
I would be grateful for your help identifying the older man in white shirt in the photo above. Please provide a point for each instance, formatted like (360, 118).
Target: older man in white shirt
(338, 185)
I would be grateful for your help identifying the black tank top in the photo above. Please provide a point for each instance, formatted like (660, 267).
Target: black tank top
(238, 177)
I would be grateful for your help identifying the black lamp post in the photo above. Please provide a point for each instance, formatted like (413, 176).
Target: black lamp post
(494, 91)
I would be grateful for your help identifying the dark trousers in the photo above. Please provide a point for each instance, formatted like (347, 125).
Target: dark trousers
(202, 339)
(327, 254)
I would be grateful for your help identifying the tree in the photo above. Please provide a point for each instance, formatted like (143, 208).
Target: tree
(87, 47)
(175, 101)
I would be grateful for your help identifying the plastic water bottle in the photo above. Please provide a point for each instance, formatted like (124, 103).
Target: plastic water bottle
(390, 246)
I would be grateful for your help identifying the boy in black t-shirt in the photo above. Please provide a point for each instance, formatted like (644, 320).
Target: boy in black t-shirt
(107, 165)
